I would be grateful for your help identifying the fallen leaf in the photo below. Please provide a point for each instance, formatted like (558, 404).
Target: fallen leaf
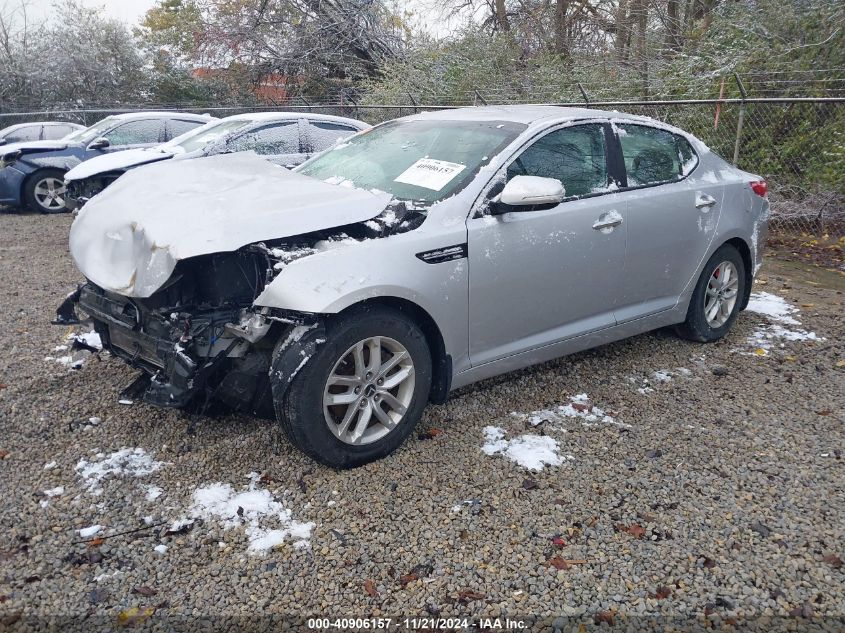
(30, 579)
(530, 484)
(760, 351)
(4, 454)
(634, 530)
(370, 588)
(563, 563)
(145, 591)
(132, 616)
(833, 560)
(468, 595)
(840, 363)
(430, 433)
(578, 406)
(824, 412)
(709, 563)
(96, 542)
(662, 593)
(604, 616)
(407, 578)
(557, 541)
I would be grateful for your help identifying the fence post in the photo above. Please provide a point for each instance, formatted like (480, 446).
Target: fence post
(584, 93)
(305, 101)
(413, 101)
(741, 121)
(478, 98)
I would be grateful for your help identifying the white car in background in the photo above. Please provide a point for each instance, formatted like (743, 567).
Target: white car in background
(284, 138)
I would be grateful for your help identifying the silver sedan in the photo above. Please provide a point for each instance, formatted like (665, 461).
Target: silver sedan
(419, 256)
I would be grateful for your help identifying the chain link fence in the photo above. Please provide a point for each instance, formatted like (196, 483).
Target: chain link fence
(796, 144)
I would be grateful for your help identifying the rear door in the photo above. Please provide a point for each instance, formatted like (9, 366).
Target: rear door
(545, 275)
(671, 212)
(278, 142)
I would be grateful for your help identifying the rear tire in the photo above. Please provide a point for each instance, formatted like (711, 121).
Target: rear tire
(717, 298)
(365, 353)
(44, 191)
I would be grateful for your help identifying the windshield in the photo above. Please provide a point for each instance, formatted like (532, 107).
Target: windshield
(200, 137)
(414, 160)
(88, 134)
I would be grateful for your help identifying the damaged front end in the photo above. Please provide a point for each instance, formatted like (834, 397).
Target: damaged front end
(200, 337)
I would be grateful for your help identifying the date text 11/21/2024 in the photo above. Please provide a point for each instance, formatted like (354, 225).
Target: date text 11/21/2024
(416, 623)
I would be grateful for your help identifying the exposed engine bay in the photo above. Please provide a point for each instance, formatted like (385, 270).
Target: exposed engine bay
(200, 337)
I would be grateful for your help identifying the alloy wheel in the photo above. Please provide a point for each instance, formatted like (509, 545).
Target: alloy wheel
(721, 295)
(49, 193)
(369, 390)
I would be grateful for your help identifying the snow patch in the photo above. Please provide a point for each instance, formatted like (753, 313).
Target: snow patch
(779, 313)
(90, 531)
(578, 408)
(127, 462)
(253, 509)
(533, 452)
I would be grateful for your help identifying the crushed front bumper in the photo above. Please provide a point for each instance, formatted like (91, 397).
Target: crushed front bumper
(175, 377)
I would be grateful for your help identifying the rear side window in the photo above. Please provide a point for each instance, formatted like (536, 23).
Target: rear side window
(138, 132)
(574, 155)
(177, 127)
(324, 134)
(279, 138)
(54, 132)
(654, 156)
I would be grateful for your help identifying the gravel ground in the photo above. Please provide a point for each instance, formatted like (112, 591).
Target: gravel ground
(717, 495)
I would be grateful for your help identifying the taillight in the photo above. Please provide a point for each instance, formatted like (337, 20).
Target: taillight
(760, 188)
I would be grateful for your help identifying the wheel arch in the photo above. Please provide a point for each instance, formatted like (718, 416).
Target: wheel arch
(745, 252)
(441, 362)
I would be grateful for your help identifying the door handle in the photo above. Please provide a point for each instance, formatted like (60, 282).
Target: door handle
(703, 201)
(608, 220)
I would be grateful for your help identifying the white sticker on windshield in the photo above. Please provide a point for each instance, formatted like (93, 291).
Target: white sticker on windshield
(430, 173)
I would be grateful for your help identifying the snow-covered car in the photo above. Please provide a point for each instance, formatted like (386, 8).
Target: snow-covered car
(37, 131)
(285, 138)
(32, 172)
(426, 254)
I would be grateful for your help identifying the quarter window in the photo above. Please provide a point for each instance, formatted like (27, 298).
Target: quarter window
(138, 132)
(653, 156)
(574, 155)
(279, 138)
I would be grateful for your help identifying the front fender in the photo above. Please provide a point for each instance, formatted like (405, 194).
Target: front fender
(333, 280)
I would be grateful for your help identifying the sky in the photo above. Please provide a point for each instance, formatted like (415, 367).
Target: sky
(127, 10)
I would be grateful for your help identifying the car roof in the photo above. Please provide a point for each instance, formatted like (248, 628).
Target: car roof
(131, 116)
(18, 126)
(526, 114)
(281, 116)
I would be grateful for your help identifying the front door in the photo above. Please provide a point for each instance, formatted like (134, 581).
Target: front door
(542, 276)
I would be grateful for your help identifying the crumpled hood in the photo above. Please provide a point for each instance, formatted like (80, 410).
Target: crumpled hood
(118, 160)
(129, 238)
(28, 147)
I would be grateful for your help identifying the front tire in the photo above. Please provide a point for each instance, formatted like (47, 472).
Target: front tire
(44, 191)
(362, 392)
(717, 297)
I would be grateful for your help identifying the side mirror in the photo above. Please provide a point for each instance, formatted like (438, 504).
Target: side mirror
(99, 143)
(531, 191)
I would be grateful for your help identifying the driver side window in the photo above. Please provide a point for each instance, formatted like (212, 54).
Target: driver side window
(574, 155)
